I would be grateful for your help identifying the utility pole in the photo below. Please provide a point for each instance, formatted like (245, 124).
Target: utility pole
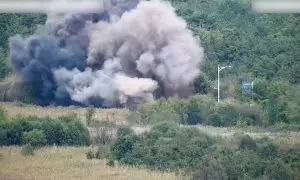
(219, 70)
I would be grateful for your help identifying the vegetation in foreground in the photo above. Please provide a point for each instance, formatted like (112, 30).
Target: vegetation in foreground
(51, 163)
(170, 147)
(37, 132)
(166, 147)
(204, 109)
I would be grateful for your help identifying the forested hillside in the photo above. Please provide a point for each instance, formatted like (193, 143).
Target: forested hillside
(263, 45)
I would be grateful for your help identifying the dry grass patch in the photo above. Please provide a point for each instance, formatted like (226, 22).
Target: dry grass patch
(113, 115)
(67, 163)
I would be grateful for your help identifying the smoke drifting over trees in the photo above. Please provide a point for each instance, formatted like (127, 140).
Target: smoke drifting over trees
(132, 51)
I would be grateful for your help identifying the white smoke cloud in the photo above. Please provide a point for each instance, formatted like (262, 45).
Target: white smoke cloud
(130, 51)
(149, 40)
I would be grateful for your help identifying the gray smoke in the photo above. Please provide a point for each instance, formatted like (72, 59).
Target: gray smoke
(130, 52)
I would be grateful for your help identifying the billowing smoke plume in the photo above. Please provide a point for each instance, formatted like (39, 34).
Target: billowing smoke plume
(130, 52)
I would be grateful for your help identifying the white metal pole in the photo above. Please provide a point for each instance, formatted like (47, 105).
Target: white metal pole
(218, 83)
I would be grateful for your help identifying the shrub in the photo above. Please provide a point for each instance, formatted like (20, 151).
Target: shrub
(278, 170)
(247, 143)
(90, 154)
(75, 133)
(89, 115)
(202, 84)
(67, 130)
(3, 137)
(35, 138)
(102, 152)
(198, 109)
(110, 162)
(167, 146)
(163, 147)
(155, 112)
(54, 131)
(2, 114)
(269, 150)
(28, 150)
(122, 148)
(12, 131)
(103, 135)
(211, 168)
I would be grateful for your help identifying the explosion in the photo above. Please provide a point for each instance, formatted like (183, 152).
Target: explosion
(131, 52)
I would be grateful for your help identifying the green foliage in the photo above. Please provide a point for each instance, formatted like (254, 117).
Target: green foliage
(102, 135)
(161, 110)
(102, 152)
(67, 130)
(211, 168)
(200, 109)
(27, 150)
(279, 100)
(292, 158)
(89, 115)
(278, 170)
(2, 114)
(122, 149)
(35, 138)
(202, 84)
(90, 154)
(247, 143)
(110, 162)
(10, 25)
(264, 45)
(164, 147)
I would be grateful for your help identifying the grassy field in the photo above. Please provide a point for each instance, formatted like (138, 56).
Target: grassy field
(113, 115)
(67, 163)
(284, 139)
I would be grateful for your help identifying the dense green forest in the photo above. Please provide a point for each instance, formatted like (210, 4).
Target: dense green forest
(260, 47)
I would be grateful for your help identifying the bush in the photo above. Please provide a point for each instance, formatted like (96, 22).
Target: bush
(164, 147)
(247, 143)
(28, 150)
(90, 154)
(278, 170)
(103, 135)
(89, 115)
(155, 112)
(3, 137)
(167, 146)
(2, 114)
(199, 109)
(110, 162)
(35, 138)
(122, 148)
(67, 130)
(102, 152)
(269, 150)
(210, 169)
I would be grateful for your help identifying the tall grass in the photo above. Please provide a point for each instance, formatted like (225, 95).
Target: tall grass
(55, 163)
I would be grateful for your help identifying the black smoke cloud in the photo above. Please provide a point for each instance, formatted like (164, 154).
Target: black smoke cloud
(130, 52)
